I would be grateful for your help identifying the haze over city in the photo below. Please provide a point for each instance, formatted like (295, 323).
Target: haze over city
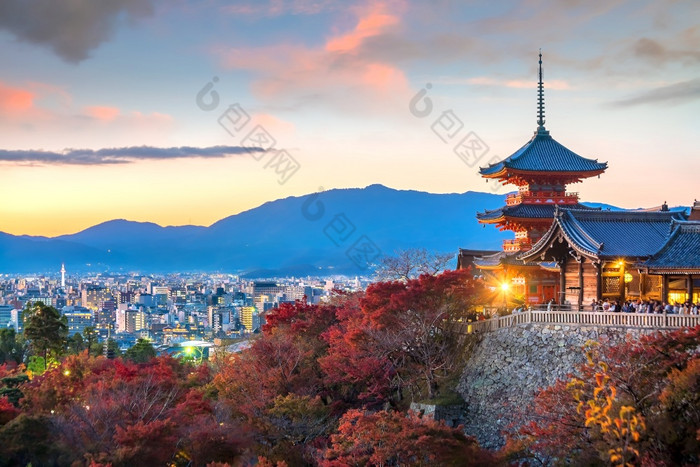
(331, 82)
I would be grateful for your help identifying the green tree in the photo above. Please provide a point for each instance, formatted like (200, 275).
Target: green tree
(141, 352)
(90, 336)
(12, 346)
(46, 330)
(76, 344)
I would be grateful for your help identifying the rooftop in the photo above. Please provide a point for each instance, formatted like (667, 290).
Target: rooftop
(524, 211)
(543, 154)
(608, 234)
(681, 251)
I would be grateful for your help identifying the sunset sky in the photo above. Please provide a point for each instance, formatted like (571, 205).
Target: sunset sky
(100, 116)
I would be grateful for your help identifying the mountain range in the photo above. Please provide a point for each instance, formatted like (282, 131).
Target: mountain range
(340, 231)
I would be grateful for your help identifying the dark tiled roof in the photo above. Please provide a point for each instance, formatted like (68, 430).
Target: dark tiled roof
(681, 250)
(528, 211)
(610, 234)
(499, 259)
(544, 154)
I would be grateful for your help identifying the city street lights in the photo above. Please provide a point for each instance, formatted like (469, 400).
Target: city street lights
(189, 351)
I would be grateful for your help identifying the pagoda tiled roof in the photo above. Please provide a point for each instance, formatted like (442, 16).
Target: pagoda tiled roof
(527, 211)
(681, 251)
(608, 234)
(543, 154)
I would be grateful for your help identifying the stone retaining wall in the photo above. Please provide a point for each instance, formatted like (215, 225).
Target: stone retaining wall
(510, 365)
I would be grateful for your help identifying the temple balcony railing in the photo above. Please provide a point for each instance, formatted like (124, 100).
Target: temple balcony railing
(585, 318)
(542, 197)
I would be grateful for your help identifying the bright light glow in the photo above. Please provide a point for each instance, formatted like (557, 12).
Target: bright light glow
(66, 373)
(188, 350)
(505, 286)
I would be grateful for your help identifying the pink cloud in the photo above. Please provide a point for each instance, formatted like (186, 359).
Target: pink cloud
(337, 71)
(32, 108)
(102, 113)
(372, 24)
(274, 125)
(15, 100)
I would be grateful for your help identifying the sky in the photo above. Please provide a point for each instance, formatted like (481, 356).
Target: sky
(150, 110)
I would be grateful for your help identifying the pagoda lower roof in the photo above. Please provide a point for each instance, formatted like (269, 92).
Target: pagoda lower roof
(524, 211)
(544, 155)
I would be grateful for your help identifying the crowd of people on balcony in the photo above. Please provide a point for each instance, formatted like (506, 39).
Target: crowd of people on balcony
(645, 306)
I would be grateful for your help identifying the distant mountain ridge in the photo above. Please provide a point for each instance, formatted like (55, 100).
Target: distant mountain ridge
(298, 235)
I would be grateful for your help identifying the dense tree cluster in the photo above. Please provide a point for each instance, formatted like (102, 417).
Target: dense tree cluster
(331, 385)
(362, 353)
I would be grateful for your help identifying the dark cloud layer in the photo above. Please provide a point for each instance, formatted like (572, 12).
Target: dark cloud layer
(70, 28)
(673, 94)
(119, 155)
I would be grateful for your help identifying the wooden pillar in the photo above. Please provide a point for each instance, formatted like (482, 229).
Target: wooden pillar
(580, 284)
(664, 288)
(526, 285)
(623, 285)
(690, 287)
(562, 281)
(599, 281)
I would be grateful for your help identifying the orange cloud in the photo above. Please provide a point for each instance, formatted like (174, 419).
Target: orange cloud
(274, 125)
(328, 72)
(25, 108)
(374, 23)
(15, 100)
(102, 113)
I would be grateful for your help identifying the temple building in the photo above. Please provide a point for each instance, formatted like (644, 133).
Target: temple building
(541, 171)
(677, 262)
(615, 255)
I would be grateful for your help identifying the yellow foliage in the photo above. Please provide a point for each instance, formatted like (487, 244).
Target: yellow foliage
(623, 431)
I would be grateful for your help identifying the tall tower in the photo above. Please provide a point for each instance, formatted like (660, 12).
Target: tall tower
(63, 275)
(541, 171)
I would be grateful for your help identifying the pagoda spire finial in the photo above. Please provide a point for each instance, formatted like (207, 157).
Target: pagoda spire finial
(540, 99)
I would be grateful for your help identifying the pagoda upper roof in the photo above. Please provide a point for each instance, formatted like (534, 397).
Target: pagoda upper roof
(680, 252)
(543, 154)
(606, 234)
(524, 211)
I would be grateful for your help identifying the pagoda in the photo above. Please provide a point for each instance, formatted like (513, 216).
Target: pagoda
(541, 170)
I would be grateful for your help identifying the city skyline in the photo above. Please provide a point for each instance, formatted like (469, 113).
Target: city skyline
(116, 111)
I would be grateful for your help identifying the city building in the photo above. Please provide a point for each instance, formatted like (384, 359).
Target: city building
(78, 318)
(94, 297)
(6, 316)
(250, 318)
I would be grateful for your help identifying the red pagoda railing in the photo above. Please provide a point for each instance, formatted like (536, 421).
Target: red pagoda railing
(510, 246)
(542, 197)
